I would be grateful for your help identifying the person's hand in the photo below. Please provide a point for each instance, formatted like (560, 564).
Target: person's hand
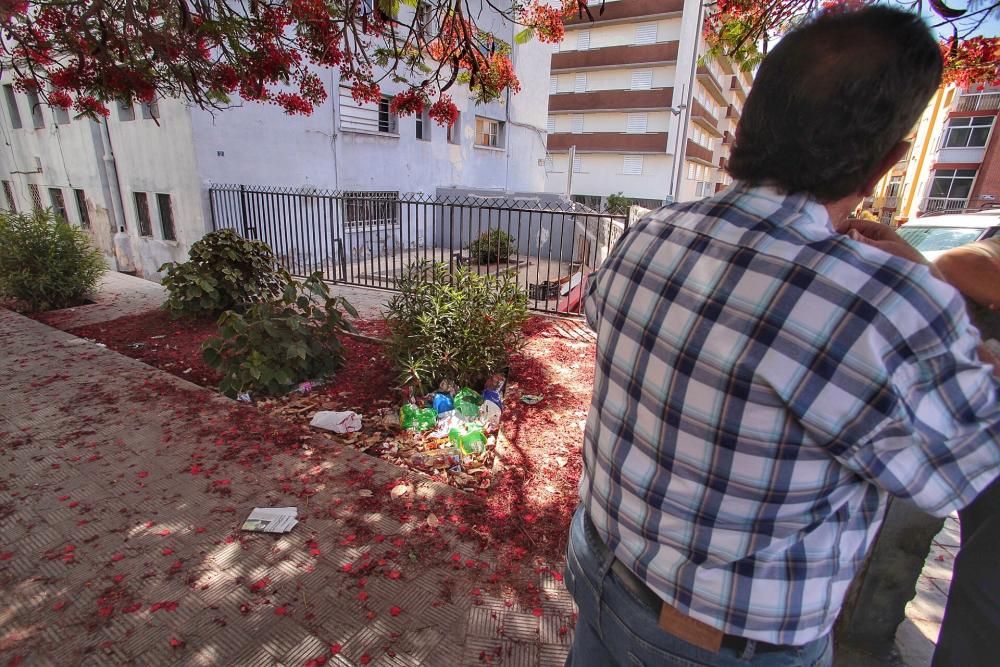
(879, 236)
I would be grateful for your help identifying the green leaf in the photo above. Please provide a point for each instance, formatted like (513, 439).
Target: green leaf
(524, 36)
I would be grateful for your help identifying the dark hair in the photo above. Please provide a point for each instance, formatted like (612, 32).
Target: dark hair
(833, 98)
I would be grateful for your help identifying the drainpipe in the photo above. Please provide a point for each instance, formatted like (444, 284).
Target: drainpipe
(111, 176)
(682, 120)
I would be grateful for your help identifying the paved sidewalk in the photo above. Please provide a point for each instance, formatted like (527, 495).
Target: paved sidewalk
(122, 489)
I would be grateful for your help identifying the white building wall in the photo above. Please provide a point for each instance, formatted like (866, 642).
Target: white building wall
(621, 34)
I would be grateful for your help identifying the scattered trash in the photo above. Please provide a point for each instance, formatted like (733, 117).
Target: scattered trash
(467, 403)
(305, 387)
(135, 346)
(417, 419)
(157, 337)
(338, 422)
(443, 403)
(244, 397)
(271, 520)
(188, 371)
(399, 490)
(529, 399)
(100, 344)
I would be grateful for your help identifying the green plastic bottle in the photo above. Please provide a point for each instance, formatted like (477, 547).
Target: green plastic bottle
(408, 415)
(467, 403)
(425, 419)
(468, 441)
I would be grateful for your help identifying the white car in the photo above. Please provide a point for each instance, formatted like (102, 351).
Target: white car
(933, 234)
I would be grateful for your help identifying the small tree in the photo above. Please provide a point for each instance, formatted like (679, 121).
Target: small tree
(458, 326)
(224, 271)
(46, 263)
(618, 204)
(492, 246)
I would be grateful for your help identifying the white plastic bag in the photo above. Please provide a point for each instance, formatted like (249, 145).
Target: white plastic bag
(338, 422)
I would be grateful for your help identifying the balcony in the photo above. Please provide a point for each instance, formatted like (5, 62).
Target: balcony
(727, 138)
(624, 11)
(707, 77)
(978, 102)
(698, 112)
(614, 56)
(937, 204)
(612, 100)
(723, 163)
(891, 201)
(694, 151)
(737, 86)
(731, 112)
(611, 142)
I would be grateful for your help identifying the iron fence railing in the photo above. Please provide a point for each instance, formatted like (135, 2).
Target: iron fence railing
(978, 102)
(369, 238)
(937, 204)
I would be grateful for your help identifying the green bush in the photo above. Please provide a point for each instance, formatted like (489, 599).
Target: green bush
(276, 344)
(46, 263)
(224, 271)
(492, 246)
(458, 326)
(618, 204)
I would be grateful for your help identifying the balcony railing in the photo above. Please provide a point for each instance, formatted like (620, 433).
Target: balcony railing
(891, 201)
(978, 102)
(935, 204)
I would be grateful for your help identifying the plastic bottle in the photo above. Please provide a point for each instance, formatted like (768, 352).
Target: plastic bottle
(443, 402)
(408, 415)
(425, 419)
(468, 441)
(467, 403)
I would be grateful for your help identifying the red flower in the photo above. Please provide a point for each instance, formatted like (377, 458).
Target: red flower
(395, 611)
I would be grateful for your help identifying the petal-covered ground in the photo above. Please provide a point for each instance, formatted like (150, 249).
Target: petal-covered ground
(527, 507)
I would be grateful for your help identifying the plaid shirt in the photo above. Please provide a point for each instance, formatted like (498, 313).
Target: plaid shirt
(762, 383)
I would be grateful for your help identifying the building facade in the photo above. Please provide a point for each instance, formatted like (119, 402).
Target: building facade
(643, 113)
(953, 164)
(148, 168)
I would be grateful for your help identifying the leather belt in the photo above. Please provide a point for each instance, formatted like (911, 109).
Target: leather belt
(675, 622)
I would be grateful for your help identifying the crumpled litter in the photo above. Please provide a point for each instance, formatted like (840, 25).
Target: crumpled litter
(338, 422)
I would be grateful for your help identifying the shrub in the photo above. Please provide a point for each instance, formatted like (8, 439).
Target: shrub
(618, 204)
(492, 246)
(224, 271)
(276, 344)
(460, 326)
(46, 263)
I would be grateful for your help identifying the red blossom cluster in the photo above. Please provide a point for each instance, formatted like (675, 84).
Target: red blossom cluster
(408, 102)
(971, 61)
(444, 111)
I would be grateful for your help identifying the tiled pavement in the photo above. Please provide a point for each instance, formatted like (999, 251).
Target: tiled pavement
(112, 552)
(52, 597)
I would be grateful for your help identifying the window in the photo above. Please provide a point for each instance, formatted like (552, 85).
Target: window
(142, 213)
(950, 189)
(642, 79)
(969, 132)
(371, 209)
(555, 47)
(11, 98)
(81, 208)
(455, 130)
(151, 110)
(550, 165)
(577, 164)
(691, 169)
(580, 84)
(632, 165)
(645, 33)
(369, 117)
(550, 124)
(577, 123)
(583, 40)
(8, 192)
(58, 203)
(388, 122)
(553, 85)
(35, 107)
(892, 189)
(636, 123)
(125, 111)
(423, 126)
(489, 132)
(166, 217)
(36, 196)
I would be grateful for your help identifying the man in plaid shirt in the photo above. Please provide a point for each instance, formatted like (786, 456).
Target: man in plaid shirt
(768, 371)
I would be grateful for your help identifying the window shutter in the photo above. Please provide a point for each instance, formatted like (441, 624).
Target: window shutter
(577, 164)
(555, 47)
(578, 123)
(642, 79)
(553, 85)
(690, 171)
(550, 125)
(645, 33)
(636, 123)
(632, 165)
(580, 85)
(583, 40)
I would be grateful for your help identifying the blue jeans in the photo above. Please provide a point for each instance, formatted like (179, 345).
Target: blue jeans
(615, 628)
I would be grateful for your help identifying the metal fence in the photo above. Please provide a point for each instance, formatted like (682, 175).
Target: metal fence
(370, 238)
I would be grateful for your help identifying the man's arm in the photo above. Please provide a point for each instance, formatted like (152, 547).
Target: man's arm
(973, 273)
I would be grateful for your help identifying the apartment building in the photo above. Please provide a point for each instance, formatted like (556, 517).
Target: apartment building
(148, 168)
(953, 163)
(632, 97)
